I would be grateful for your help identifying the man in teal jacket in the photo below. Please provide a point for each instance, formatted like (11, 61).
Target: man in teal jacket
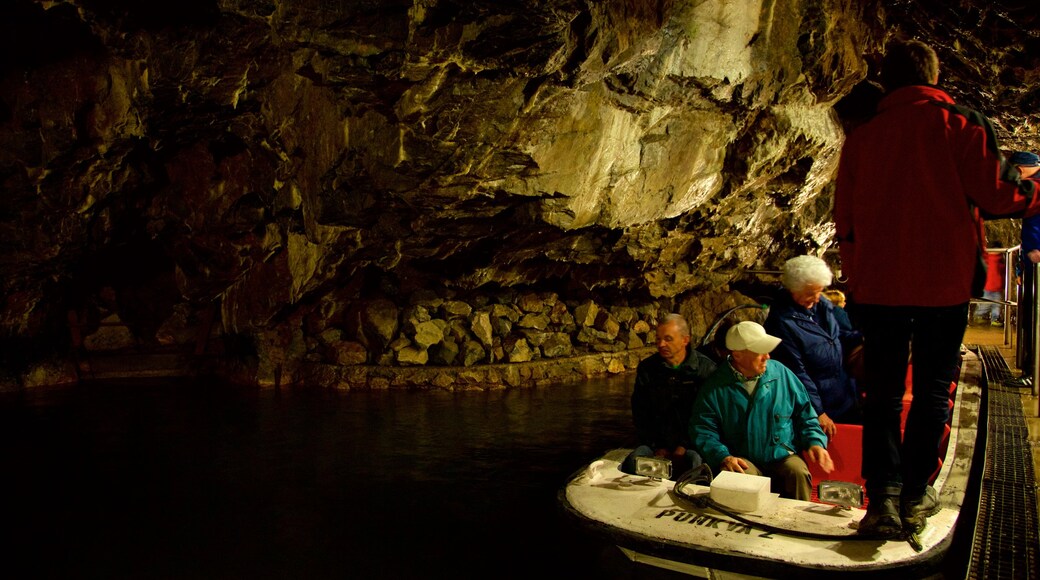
(753, 416)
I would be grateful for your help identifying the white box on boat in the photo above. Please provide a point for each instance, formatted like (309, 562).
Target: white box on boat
(740, 491)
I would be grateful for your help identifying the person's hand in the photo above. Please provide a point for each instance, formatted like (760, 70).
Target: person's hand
(829, 428)
(662, 452)
(731, 463)
(1034, 256)
(821, 457)
(678, 453)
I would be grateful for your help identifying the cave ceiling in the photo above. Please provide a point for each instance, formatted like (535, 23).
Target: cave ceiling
(274, 154)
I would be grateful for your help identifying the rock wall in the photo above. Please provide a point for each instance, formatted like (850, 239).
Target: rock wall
(258, 171)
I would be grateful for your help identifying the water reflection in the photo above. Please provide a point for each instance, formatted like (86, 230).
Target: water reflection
(176, 479)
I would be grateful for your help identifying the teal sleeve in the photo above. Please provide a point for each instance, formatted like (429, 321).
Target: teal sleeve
(706, 429)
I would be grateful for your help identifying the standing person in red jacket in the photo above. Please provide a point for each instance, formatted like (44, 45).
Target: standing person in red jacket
(909, 183)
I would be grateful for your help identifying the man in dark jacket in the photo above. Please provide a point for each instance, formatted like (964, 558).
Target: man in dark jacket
(665, 388)
(909, 182)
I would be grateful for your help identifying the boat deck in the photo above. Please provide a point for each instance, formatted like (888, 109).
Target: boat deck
(1006, 541)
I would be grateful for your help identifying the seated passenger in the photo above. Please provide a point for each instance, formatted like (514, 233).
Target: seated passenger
(665, 388)
(852, 343)
(813, 344)
(754, 416)
(837, 298)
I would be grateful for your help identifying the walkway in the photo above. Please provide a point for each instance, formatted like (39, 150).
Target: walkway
(1006, 544)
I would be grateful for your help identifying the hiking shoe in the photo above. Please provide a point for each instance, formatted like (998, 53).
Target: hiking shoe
(882, 518)
(916, 511)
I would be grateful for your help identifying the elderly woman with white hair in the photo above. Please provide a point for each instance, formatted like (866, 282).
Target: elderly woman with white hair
(813, 343)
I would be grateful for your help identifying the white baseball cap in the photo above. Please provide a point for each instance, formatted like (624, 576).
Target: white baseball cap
(751, 336)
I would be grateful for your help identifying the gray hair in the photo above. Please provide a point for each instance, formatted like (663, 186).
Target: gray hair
(678, 321)
(802, 271)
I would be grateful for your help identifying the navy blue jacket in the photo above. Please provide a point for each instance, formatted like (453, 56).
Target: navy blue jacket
(663, 396)
(1030, 235)
(812, 348)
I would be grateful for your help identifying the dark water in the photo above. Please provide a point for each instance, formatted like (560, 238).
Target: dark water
(180, 479)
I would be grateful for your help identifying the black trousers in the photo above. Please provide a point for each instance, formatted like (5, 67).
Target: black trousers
(892, 335)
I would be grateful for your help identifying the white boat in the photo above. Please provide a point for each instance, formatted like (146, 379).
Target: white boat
(654, 523)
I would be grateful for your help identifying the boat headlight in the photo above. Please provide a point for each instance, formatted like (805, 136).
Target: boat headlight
(654, 467)
(842, 493)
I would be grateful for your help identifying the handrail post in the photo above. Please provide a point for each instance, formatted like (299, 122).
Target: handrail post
(1009, 272)
(1034, 306)
(1024, 320)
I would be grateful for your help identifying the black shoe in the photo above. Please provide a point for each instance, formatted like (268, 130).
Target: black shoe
(882, 518)
(916, 511)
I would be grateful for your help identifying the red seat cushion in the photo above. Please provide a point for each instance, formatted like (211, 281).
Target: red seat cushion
(846, 450)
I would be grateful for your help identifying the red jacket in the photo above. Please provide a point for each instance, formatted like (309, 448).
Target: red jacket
(906, 232)
(995, 272)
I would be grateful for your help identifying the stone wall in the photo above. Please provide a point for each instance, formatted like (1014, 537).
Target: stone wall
(536, 373)
(511, 340)
(521, 340)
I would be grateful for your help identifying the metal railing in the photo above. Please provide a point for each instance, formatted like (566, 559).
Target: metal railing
(1033, 346)
(1026, 328)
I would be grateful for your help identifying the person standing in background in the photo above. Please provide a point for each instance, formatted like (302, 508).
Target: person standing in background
(992, 310)
(1028, 165)
(837, 298)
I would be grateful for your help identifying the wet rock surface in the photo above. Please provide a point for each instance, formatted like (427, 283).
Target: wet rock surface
(298, 185)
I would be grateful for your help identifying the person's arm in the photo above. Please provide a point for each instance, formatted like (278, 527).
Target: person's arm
(788, 353)
(993, 184)
(706, 430)
(704, 368)
(806, 422)
(821, 457)
(1031, 239)
(642, 411)
(848, 335)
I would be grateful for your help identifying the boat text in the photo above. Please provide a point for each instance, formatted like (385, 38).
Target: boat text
(707, 521)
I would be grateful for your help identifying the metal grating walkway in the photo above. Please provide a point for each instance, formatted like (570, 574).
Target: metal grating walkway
(1005, 544)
